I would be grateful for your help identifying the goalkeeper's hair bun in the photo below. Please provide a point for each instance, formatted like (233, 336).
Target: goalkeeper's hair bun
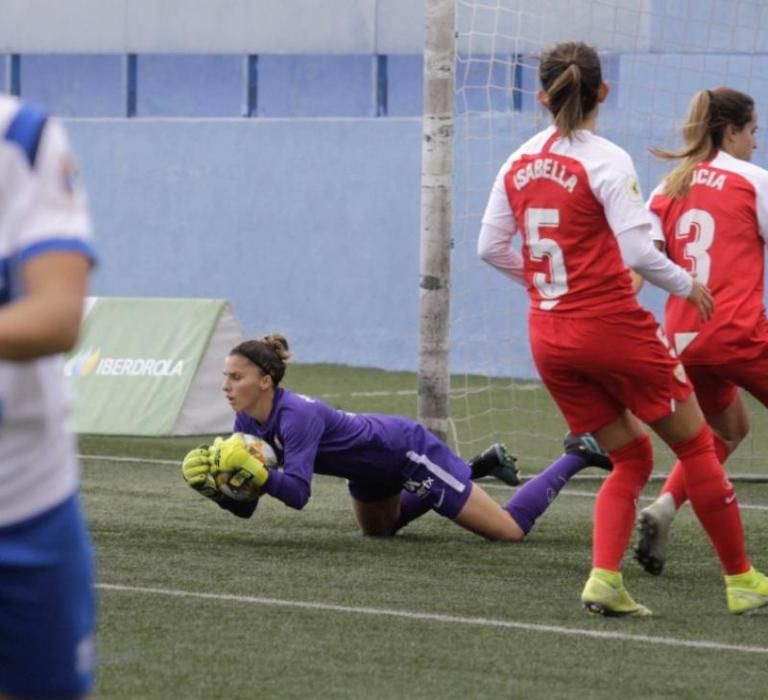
(279, 344)
(270, 354)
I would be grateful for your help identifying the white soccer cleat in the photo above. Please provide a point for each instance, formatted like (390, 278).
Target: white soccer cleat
(654, 530)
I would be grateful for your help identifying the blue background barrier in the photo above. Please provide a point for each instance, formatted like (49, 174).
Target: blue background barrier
(275, 161)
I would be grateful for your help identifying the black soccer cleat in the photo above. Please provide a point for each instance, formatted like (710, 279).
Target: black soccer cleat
(496, 461)
(586, 446)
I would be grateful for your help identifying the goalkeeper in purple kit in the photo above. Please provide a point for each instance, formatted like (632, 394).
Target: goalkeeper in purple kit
(395, 468)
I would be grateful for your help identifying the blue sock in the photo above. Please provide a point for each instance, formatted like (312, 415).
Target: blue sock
(411, 507)
(534, 497)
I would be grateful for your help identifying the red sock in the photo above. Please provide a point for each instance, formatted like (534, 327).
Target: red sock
(675, 483)
(614, 513)
(713, 500)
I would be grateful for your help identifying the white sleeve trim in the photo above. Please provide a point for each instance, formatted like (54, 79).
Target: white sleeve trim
(641, 255)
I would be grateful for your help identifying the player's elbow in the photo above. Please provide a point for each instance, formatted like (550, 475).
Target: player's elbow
(62, 328)
(68, 335)
(297, 499)
(486, 251)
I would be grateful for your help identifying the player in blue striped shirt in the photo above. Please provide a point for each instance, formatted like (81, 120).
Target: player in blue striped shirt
(47, 599)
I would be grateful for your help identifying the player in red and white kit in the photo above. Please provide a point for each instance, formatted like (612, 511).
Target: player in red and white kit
(711, 215)
(574, 198)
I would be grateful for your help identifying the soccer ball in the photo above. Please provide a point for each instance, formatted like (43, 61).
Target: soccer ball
(249, 491)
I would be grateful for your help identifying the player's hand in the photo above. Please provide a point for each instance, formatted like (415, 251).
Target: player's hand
(233, 455)
(196, 469)
(703, 300)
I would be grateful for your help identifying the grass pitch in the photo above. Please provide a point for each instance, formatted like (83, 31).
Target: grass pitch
(197, 604)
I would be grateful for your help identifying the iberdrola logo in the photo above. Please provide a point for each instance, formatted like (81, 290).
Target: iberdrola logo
(83, 363)
(90, 361)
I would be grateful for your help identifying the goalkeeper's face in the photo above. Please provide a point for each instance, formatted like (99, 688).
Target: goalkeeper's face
(246, 387)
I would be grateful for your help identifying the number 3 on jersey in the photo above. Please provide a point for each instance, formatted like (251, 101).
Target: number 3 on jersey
(698, 226)
(553, 285)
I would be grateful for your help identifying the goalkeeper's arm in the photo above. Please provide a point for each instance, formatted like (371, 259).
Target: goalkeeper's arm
(242, 509)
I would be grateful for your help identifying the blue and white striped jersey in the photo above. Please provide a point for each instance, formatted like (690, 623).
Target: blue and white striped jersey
(42, 209)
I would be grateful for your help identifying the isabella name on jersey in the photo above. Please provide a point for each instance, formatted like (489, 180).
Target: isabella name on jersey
(546, 168)
(702, 176)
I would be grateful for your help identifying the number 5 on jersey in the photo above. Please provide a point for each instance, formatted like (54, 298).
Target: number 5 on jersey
(555, 284)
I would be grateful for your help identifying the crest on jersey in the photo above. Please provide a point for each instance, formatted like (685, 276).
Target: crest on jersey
(635, 194)
(67, 175)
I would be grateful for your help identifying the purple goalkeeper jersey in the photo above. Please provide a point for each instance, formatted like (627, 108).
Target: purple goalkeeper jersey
(311, 437)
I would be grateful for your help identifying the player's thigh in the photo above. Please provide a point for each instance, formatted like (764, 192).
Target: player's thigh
(732, 424)
(721, 403)
(376, 508)
(752, 376)
(715, 391)
(620, 432)
(47, 606)
(683, 424)
(483, 516)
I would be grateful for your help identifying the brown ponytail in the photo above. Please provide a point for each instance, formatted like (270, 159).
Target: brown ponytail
(709, 113)
(571, 76)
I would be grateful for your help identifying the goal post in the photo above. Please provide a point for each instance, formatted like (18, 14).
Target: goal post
(477, 380)
(436, 214)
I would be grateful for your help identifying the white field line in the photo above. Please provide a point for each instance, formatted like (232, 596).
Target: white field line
(590, 494)
(440, 618)
(135, 460)
(485, 484)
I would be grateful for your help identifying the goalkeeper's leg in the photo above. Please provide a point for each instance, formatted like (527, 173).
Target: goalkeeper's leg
(377, 518)
(534, 498)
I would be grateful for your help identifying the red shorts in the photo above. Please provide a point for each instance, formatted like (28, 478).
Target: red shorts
(595, 368)
(716, 385)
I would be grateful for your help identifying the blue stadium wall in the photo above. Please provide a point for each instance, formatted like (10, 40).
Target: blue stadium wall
(306, 214)
(308, 226)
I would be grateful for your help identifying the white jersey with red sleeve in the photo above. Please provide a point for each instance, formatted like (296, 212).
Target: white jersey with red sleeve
(42, 209)
(718, 232)
(569, 198)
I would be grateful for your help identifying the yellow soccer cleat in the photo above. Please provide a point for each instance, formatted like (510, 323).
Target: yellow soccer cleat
(746, 593)
(604, 594)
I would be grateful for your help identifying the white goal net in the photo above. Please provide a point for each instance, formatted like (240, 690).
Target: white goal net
(656, 54)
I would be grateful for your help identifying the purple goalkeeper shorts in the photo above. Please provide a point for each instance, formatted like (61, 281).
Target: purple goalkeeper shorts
(430, 470)
(47, 605)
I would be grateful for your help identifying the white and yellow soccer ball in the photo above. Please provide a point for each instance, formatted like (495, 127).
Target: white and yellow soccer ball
(249, 491)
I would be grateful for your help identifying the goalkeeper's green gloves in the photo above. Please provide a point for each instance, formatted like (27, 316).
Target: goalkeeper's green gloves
(196, 469)
(232, 455)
